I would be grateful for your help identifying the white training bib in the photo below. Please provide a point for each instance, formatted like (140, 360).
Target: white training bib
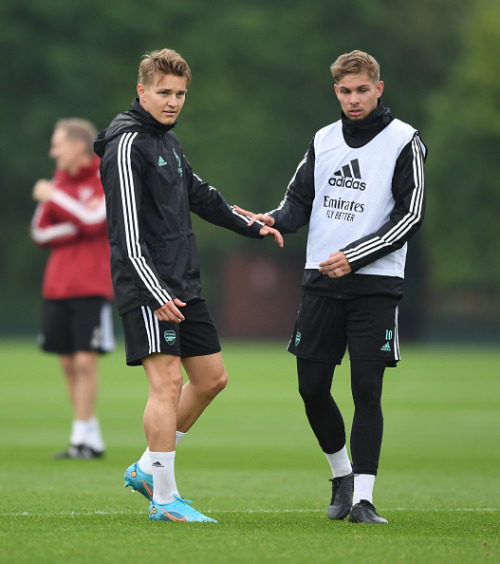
(353, 194)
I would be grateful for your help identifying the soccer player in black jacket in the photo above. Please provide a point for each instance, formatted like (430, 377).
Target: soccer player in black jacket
(360, 187)
(150, 191)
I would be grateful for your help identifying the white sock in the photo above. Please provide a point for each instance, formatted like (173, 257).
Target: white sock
(164, 486)
(145, 460)
(78, 432)
(363, 487)
(339, 463)
(93, 437)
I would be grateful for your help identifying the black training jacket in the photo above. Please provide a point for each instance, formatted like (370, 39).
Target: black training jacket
(150, 191)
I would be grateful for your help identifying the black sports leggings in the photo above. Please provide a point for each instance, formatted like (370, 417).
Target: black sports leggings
(315, 381)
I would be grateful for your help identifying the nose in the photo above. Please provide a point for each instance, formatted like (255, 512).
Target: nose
(353, 99)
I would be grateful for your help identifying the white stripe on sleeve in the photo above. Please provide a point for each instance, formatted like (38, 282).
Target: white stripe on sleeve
(131, 222)
(407, 222)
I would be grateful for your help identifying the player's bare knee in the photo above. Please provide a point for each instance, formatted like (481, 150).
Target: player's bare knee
(213, 386)
(222, 382)
(164, 389)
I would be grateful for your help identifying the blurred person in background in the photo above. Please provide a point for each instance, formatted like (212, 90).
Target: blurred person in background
(70, 219)
(360, 186)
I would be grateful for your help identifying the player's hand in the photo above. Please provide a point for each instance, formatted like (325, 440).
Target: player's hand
(267, 219)
(170, 311)
(42, 191)
(335, 266)
(268, 227)
(276, 235)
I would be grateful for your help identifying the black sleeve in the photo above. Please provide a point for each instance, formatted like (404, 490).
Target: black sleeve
(295, 208)
(408, 188)
(122, 178)
(209, 204)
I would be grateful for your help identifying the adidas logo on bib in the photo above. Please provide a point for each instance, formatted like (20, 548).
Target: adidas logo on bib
(348, 176)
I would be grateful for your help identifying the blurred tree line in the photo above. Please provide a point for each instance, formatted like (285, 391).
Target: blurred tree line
(261, 88)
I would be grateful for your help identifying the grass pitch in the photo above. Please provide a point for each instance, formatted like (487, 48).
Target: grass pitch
(252, 463)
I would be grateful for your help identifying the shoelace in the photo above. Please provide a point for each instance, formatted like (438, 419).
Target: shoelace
(335, 483)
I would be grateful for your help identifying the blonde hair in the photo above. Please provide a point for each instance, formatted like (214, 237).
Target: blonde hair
(165, 61)
(356, 62)
(78, 128)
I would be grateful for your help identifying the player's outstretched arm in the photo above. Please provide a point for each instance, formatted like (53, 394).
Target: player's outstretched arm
(268, 222)
(275, 234)
(267, 219)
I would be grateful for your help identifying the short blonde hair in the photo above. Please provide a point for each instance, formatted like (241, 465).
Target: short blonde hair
(165, 61)
(356, 62)
(78, 128)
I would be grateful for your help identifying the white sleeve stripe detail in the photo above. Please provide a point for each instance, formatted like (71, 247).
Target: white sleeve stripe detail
(131, 223)
(132, 229)
(43, 235)
(81, 211)
(245, 217)
(407, 222)
(201, 181)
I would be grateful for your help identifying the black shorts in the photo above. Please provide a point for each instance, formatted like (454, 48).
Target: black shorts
(366, 325)
(145, 334)
(77, 325)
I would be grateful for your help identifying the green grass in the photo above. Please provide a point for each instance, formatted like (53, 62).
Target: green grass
(252, 463)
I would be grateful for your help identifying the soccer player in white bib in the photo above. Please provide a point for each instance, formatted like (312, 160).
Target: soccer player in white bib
(360, 187)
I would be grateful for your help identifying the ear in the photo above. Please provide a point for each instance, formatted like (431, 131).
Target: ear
(141, 91)
(336, 89)
(380, 88)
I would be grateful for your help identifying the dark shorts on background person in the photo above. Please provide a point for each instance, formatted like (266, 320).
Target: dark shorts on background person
(366, 325)
(145, 334)
(77, 325)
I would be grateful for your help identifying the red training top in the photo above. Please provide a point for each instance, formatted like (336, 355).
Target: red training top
(73, 224)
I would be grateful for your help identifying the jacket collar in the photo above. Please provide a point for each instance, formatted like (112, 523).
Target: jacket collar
(148, 120)
(82, 174)
(358, 133)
